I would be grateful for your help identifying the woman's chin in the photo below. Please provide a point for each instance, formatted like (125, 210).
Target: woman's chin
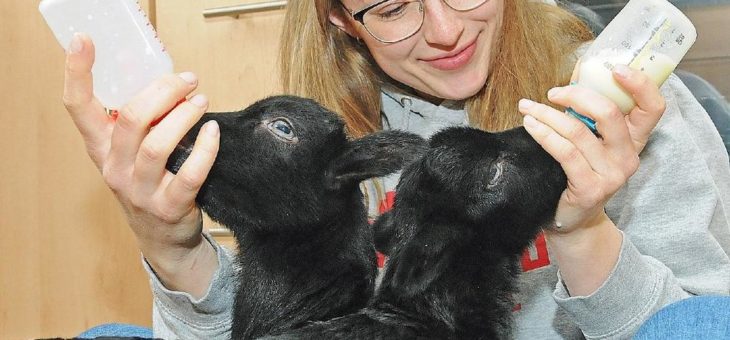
(460, 92)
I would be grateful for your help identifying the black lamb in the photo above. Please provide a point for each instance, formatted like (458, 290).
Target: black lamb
(286, 182)
(463, 214)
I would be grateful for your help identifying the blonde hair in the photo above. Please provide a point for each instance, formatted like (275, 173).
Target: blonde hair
(320, 61)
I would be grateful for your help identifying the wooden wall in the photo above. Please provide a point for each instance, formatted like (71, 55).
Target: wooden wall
(68, 261)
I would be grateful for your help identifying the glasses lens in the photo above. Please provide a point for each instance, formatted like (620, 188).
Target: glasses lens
(464, 5)
(394, 20)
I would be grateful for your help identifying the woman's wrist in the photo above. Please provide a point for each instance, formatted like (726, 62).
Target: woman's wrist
(189, 268)
(586, 255)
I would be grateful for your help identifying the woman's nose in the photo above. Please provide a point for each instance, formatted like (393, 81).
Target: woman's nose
(441, 25)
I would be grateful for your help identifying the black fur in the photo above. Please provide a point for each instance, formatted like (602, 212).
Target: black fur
(463, 214)
(286, 182)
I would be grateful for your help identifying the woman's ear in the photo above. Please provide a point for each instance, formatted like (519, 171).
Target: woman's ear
(343, 22)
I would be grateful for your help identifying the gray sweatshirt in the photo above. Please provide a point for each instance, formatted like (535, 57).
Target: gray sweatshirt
(672, 214)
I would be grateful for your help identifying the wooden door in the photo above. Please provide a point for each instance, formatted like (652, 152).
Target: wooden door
(234, 58)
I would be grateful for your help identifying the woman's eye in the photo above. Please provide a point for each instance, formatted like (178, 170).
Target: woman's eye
(282, 129)
(391, 10)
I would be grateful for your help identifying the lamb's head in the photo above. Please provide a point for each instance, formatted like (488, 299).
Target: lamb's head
(503, 185)
(286, 162)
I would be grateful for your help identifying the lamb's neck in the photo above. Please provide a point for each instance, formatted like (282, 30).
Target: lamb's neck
(300, 238)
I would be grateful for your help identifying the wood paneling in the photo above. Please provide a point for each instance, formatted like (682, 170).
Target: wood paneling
(68, 260)
(234, 58)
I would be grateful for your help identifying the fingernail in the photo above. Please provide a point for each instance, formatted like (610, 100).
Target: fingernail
(211, 128)
(199, 100)
(189, 77)
(525, 104)
(622, 71)
(554, 92)
(76, 44)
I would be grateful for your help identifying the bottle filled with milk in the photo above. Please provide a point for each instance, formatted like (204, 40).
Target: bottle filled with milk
(648, 35)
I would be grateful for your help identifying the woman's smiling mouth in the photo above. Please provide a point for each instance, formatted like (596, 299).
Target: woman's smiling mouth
(453, 61)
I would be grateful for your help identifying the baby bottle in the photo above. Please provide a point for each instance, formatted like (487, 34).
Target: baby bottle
(648, 35)
(129, 56)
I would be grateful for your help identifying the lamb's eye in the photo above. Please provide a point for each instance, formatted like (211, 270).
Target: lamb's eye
(282, 129)
(495, 173)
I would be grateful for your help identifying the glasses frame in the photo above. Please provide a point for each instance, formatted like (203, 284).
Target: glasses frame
(358, 15)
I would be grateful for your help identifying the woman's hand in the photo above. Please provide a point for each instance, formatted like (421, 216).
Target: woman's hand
(587, 243)
(131, 155)
(596, 166)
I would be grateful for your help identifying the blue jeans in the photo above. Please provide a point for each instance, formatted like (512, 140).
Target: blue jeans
(700, 317)
(116, 329)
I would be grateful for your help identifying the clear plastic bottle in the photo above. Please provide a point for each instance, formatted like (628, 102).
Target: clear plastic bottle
(648, 35)
(129, 55)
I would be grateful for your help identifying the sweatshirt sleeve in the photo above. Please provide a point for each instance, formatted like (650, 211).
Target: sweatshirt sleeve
(673, 216)
(177, 315)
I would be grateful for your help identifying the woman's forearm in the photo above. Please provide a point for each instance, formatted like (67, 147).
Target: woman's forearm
(586, 256)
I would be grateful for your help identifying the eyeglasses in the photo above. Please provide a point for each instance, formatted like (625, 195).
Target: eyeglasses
(391, 21)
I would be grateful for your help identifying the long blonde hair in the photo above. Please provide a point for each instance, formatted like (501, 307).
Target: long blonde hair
(320, 61)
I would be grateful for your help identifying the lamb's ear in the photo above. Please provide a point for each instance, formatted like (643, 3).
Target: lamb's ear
(374, 155)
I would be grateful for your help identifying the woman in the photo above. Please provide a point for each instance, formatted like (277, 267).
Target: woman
(623, 246)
